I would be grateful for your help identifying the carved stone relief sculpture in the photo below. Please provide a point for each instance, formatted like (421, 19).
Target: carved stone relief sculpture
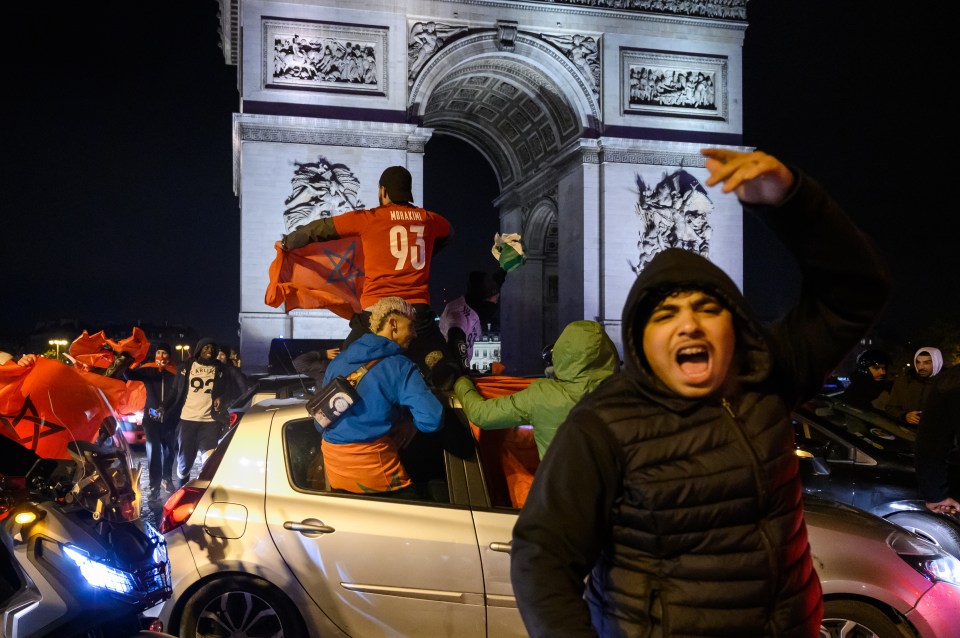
(584, 52)
(673, 84)
(324, 56)
(723, 9)
(426, 38)
(320, 189)
(674, 213)
(672, 87)
(327, 60)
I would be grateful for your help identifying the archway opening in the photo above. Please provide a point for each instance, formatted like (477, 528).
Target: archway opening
(459, 183)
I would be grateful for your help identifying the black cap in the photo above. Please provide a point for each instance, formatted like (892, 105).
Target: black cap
(398, 182)
(872, 357)
(163, 345)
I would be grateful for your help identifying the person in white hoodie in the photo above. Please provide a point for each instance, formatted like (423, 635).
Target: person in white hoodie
(909, 391)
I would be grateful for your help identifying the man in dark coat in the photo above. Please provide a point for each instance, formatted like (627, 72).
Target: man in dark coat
(869, 386)
(160, 429)
(671, 493)
(938, 445)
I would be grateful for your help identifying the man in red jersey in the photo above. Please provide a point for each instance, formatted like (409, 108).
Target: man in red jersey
(398, 240)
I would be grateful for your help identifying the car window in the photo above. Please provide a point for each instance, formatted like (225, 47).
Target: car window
(423, 460)
(304, 459)
(509, 459)
(871, 433)
(819, 443)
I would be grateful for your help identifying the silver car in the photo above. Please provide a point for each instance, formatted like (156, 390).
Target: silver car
(260, 547)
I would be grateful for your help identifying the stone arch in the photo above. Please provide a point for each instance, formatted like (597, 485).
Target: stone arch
(540, 232)
(565, 145)
(519, 107)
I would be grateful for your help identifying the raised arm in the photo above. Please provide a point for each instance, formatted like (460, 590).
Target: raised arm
(317, 230)
(845, 281)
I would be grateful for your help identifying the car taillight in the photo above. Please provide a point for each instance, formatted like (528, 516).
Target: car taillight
(179, 507)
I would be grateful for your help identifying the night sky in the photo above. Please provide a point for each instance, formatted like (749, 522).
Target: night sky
(120, 194)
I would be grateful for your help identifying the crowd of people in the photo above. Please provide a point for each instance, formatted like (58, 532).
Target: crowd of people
(668, 464)
(186, 409)
(923, 398)
(667, 499)
(614, 523)
(185, 406)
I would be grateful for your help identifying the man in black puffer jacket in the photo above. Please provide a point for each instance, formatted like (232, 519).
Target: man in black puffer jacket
(674, 484)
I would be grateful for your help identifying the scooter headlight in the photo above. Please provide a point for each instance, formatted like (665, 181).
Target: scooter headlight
(99, 574)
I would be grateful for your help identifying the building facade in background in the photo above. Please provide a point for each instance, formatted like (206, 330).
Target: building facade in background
(591, 115)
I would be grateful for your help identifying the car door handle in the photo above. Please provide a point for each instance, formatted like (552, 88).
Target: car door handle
(309, 527)
(500, 547)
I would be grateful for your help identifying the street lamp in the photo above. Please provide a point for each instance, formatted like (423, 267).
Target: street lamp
(183, 351)
(57, 343)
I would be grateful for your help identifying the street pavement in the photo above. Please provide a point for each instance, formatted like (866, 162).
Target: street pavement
(152, 511)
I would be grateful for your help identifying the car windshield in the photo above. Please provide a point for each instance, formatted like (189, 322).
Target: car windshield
(875, 431)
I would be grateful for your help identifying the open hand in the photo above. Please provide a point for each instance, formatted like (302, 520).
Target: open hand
(756, 178)
(946, 506)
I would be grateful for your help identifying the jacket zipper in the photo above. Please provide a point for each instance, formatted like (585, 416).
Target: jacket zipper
(762, 493)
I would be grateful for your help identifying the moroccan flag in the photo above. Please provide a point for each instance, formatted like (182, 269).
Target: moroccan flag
(512, 449)
(94, 350)
(494, 386)
(46, 405)
(325, 274)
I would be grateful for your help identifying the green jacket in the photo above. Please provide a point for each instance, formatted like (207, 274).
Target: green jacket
(583, 356)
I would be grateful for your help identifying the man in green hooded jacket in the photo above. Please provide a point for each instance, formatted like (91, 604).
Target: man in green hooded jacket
(583, 356)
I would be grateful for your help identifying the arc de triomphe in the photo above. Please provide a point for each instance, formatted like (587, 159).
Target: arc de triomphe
(590, 112)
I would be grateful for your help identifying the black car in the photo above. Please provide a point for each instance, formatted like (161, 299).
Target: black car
(865, 459)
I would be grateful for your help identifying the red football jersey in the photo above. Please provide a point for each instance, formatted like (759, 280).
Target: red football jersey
(397, 248)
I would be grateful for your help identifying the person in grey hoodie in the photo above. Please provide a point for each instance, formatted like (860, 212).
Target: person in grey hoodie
(909, 391)
(669, 502)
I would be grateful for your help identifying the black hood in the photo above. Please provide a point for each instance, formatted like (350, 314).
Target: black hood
(202, 342)
(674, 269)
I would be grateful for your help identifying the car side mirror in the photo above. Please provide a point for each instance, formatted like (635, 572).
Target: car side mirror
(817, 464)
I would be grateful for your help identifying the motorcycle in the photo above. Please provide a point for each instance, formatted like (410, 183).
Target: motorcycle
(76, 559)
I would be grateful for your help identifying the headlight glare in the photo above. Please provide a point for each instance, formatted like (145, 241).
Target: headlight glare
(929, 560)
(99, 574)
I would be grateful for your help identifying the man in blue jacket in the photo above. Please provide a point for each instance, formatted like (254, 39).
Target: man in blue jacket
(361, 450)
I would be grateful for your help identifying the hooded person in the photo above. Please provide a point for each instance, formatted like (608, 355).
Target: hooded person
(202, 393)
(909, 392)
(869, 386)
(669, 502)
(583, 356)
(159, 428)
(937, 458)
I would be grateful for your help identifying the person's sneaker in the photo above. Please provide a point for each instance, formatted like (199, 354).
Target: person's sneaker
(155, 494)
(167, 486)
